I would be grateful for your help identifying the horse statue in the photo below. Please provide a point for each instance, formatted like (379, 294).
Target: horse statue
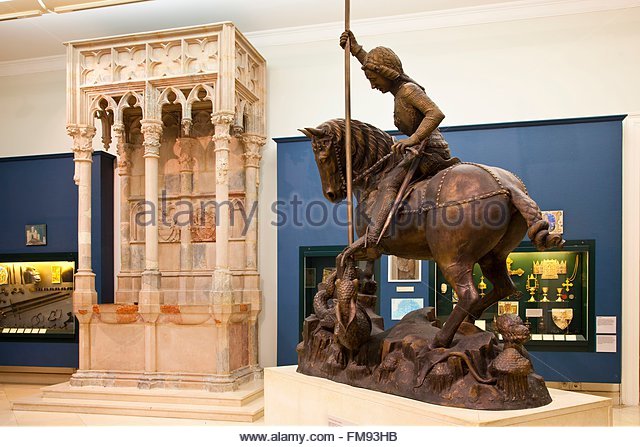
(465, 214)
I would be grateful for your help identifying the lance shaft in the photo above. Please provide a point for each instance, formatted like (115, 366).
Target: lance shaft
(347, 121)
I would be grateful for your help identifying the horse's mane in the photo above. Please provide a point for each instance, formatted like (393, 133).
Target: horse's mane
(369, 143)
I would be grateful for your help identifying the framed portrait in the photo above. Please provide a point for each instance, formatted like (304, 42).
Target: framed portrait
(404, 270)
(556, 221)
(36, 234)
(402, 306)
(310, 278)
(508, 307)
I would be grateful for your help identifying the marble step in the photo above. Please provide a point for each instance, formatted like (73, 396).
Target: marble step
(245, 394)
(250, 412)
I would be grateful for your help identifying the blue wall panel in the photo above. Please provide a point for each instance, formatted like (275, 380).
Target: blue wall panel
(40, 189)
(573, 165)
(298, 185)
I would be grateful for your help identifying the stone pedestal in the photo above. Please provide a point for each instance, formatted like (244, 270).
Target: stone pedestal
(174, 347)
(296, 399)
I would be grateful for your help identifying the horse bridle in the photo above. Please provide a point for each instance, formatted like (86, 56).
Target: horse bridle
(360, 176)
(343, 185)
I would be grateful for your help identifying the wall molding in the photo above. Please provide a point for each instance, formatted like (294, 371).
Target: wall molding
(630, 389)
(476, 15)
(35, 65)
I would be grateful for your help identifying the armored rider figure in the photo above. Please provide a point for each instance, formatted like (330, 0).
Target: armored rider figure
(415, 115)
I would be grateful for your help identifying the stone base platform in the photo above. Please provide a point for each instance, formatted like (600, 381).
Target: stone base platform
(296, 399)
(244, 405)
(166, 380)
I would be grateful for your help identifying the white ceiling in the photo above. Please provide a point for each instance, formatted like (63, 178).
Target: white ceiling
(43, 36)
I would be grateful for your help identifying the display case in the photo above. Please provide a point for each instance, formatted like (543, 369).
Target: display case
(556, 301)
(36, 295)
(316, 265)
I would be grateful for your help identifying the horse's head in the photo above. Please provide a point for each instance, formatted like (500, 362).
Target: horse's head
(331, 169)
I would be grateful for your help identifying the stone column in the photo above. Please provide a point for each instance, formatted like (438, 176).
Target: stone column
(252, 156)
(84, 294)
(150, 295)
(252, 144)
(221, 291)
(85, 290)
(150, 292)
(185, 295)
(186, 191)
(124, 170)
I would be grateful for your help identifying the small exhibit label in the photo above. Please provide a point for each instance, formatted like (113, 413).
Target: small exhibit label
(409, 289)
(536, 336)
(571, 337)
(482, 324)
(606, 343)
(606, 325)
(534, 313)
(558, 337)
(547, 337)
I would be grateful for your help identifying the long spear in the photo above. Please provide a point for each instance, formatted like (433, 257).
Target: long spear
(347, 120)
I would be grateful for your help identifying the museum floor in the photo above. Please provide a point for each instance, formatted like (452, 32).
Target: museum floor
(622, 416)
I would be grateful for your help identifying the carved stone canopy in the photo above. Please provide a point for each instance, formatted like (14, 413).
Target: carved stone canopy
(171, 104)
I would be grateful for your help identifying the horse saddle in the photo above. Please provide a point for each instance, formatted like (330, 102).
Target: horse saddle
(430, 164)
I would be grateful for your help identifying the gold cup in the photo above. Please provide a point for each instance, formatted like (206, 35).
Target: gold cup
(545, 291)
(532, 286)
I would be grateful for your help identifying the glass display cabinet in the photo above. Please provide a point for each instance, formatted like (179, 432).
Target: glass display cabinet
(317, 263)
(36, 295)
(556, 301)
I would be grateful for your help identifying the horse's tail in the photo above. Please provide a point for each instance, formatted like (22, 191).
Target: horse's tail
(538, 228)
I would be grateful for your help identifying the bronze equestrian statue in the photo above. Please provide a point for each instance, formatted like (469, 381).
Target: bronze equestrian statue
(415, 201)
(466, 214)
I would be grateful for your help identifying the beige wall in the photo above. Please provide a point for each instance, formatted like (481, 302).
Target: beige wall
(568, 66)
(32, 114)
